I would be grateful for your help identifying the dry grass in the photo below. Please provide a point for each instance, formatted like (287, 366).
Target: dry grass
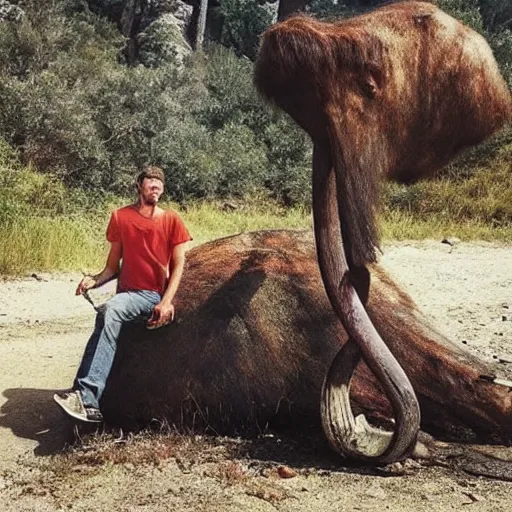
(228, 458)
(46, 243)
(478, 207)
(480, 195)
(400, 225)
(186, 467)
(63, 244)
(143, 448)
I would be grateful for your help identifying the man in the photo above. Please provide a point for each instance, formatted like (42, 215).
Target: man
(151, 244)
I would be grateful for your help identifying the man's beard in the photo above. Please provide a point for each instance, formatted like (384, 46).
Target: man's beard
(150, 201)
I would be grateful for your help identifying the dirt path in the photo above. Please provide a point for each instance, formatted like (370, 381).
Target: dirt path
(467, 292)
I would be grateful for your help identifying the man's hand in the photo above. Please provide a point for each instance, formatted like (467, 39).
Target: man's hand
(163, 313)
(85, 284)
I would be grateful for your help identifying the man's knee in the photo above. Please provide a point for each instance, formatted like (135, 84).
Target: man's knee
(116, 308)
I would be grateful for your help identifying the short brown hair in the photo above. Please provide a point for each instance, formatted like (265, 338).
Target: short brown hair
(151, 172)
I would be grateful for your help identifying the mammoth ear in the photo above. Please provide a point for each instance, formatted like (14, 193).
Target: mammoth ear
(372, 81)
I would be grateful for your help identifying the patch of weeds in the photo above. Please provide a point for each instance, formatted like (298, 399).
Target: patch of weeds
(272, 495)
(231, 472)
(135, 449)
(149, 447)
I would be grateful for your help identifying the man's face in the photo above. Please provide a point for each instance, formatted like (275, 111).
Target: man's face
(150, 190)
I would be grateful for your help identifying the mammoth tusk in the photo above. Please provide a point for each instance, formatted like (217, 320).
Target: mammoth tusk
(496, 380)
(351, 437)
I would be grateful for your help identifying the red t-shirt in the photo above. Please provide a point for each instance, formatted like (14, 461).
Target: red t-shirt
(147, 246)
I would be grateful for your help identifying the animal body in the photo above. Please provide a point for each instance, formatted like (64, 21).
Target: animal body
(256, 335)
(396, 94)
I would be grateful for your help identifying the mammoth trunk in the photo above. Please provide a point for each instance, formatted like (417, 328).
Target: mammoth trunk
(337, 278)
(291, 59)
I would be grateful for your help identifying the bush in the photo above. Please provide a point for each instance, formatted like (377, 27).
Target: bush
(225, 163)
(232, 97)
(467, 11)
(290, 155)
(77, 113)
(9, 158)
(83, 115)
(241, 23)
(53, 122)
(162, 43)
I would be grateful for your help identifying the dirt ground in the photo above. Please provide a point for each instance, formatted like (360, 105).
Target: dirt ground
(465, 290)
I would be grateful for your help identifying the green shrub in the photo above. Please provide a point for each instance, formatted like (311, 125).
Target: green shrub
(233, 100)
(289, 155)
(467, 11)
(241, 23)
(333, 10)
(198, 163)
(162, 43)
(9, 157)
(242, 161)
(77, 113)
(232, 97)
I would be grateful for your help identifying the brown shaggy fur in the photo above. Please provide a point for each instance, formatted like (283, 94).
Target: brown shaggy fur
(256, 334)
(396, 93)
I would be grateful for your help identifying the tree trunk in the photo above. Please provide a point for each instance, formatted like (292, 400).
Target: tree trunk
(201, 24)
(126, 27)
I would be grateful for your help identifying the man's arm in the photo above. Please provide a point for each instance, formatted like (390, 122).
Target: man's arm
(110, 270)
(164, 310)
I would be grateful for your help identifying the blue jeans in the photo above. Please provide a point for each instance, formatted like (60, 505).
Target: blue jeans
(99, 353)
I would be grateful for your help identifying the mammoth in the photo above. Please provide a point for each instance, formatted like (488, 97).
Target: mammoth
(256, 335)
(392, 94)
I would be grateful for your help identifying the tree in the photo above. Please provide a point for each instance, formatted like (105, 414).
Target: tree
(201, 24)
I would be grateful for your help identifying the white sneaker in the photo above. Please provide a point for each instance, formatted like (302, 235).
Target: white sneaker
(71, 403)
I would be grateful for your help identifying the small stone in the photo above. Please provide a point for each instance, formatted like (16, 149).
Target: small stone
(376, 491)
(474, 497)
(450, 241)
(286, 472)
(82, 468)
(504, 318)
